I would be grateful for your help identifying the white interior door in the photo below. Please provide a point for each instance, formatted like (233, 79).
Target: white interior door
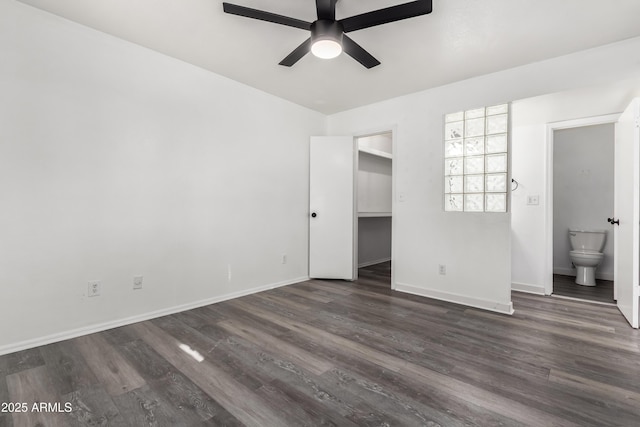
(332, 208)
(626, 211)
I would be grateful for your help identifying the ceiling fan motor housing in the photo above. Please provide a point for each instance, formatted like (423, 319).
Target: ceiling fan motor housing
(324, 29)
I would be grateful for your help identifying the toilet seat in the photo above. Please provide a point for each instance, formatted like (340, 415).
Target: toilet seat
(586, 257)
(585, 252)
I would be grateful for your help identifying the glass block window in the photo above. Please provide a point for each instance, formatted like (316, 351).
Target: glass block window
(476, 160)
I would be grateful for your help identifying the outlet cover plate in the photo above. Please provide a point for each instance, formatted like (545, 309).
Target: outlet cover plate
(94, 288)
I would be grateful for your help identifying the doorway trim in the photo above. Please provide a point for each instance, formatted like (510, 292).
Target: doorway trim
(551, 128)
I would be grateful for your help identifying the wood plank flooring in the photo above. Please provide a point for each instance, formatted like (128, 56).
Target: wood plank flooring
(338, 353)
(566, 286)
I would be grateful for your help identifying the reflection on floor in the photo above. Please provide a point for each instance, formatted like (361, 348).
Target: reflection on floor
(566, 286)
(372, 275)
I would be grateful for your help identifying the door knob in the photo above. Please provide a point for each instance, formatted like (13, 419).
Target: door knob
(313, 215)
(613, 221)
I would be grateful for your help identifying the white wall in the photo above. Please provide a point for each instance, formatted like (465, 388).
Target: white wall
(374, 240)
(374, 183)
(530, 118)
(476, 248)
(582, 191)
(117, 161)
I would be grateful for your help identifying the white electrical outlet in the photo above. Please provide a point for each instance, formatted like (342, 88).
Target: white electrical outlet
(442, 269)
(94, 288)
(284, 258)
(137, 282)
(229, 272)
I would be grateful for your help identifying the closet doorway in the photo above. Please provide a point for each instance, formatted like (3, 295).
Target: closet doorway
(374, 191)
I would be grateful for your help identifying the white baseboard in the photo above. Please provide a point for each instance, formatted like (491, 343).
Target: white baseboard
(586, 301)
(564, 271)
(530, 289)
(602, 275)
(378, 261)
(90, 329)
(458, 299)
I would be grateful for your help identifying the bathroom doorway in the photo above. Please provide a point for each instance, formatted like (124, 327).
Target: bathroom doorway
(583, 191)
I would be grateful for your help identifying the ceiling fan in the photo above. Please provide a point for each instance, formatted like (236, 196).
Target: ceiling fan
(328, 35)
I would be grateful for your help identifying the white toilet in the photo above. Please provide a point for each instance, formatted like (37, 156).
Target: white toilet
(586, 253)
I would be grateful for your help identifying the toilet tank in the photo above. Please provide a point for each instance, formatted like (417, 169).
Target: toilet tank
(591, 240)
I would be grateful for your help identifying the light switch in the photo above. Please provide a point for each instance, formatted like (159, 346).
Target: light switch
(533, 200)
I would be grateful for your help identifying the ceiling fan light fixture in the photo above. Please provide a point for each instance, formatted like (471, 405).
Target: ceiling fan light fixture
(326, 49)
(326, 39)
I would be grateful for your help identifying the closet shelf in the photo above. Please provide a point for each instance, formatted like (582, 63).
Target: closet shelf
(373, 214)
(375, 152)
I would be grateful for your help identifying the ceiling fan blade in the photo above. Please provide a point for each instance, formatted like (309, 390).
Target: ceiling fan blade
(386, 15)
(297, 53)
(356, 51)
(326, 9)
(265, 16)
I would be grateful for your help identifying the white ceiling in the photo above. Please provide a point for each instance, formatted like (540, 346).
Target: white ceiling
(460, 39)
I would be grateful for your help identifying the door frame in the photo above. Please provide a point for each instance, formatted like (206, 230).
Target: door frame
(551, 128)
(393, 129)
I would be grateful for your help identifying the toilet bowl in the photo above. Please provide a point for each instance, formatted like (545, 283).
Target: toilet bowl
(586, 254)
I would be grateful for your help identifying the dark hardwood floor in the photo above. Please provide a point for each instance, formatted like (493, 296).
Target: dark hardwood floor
(337, 353)
(566, 286)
